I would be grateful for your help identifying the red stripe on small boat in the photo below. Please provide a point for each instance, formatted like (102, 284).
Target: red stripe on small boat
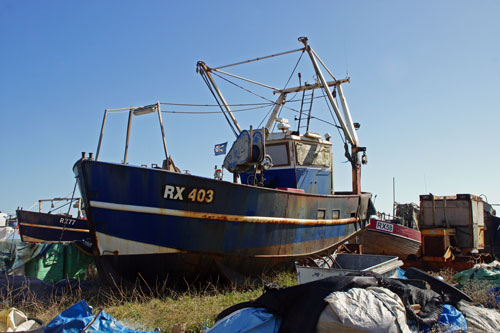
(397, 230)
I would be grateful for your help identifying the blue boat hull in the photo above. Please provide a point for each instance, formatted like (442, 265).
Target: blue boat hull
(38, 227)
(156, 222)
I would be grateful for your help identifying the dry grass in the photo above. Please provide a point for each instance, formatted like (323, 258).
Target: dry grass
(478, 292)
(147, 307)
(159, 306)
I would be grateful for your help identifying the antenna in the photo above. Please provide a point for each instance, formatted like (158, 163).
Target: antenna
(393, 197)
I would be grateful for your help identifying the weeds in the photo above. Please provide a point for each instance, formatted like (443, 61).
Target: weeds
(144, 306)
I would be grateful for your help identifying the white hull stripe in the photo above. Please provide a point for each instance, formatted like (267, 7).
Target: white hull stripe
(110, 245)
(214, 216)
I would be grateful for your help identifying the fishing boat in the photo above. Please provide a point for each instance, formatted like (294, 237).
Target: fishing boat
(39, 227)
(281, 205)
(390, 237)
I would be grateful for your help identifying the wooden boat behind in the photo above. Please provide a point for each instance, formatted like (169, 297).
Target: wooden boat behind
(390, 238)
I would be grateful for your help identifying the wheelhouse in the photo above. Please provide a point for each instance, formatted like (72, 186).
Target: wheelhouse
(299, 161)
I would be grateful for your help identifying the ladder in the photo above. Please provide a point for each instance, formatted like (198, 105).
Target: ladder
(306, 104)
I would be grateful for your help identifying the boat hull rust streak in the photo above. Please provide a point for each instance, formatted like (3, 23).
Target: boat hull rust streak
(259, 229)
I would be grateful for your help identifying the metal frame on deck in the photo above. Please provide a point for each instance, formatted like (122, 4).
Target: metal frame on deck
(134, 111)
(343, 117)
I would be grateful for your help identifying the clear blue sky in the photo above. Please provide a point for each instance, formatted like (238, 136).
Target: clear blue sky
(425, 82)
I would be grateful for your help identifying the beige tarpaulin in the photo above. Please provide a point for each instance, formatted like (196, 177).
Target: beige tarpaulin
(363, 310)
(480, 319)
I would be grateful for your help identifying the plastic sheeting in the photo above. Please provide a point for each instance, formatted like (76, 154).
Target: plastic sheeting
(451, 321)
(13, 320)
(301, 306)
(79, 316)
(480, 319)
(371, 310)
(247, 320)
(7, 233)
(495, 293)
(14, 254)
(483, 272)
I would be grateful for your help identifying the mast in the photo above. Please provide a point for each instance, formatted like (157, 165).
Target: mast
(344, 116)
(348, 130)
(345, 122)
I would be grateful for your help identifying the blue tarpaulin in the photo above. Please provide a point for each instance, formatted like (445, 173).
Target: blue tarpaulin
(451, 321)
(78, 316)
(247, 320)
(495, 293)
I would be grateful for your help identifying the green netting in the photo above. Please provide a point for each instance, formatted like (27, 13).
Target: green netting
(483, 272)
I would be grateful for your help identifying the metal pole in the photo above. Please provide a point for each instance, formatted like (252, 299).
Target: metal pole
(226, 106)
(272, 117)
(347, 113)
(79, 207)
(158, 107)
(100, 136)
(128, 136)
(261, 58)
(356, 167)
(310, 86)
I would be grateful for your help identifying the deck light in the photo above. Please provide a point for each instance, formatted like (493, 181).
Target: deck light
(145, 110)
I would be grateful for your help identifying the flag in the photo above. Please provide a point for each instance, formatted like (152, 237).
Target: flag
(220, 149)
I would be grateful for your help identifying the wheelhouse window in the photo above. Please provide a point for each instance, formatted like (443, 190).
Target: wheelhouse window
(279, 154)
(313, 154)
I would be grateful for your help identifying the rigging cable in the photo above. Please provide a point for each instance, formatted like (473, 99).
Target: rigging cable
(242, 88)
(203, 75)
(262, 105)
(286, 85)
(213, 112)
(69, 209)
(333, 117)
